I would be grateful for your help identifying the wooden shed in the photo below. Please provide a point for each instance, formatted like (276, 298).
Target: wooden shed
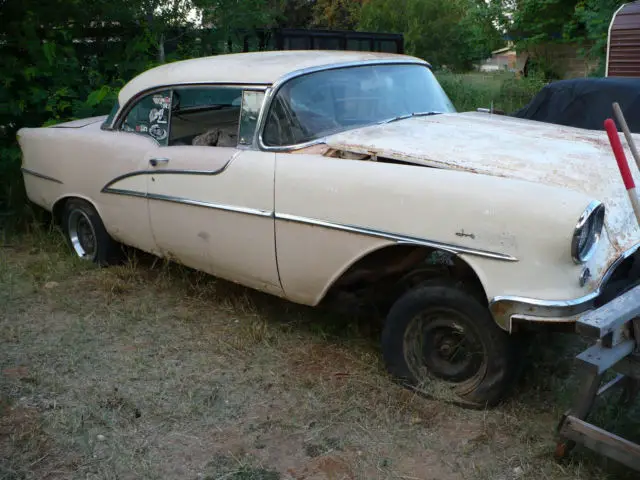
(623, 45)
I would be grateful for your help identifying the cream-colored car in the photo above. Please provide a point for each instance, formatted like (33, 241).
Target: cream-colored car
(320, 174)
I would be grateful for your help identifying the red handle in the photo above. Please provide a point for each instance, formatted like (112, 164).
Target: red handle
(618, 151)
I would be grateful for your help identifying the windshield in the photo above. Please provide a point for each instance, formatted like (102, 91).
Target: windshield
(318, 104)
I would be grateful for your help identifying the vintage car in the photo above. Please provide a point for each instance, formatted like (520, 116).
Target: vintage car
(312, 175)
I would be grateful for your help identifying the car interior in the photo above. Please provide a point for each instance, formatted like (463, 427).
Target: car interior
(208, 116)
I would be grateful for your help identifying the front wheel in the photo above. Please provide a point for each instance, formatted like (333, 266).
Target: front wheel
(86, 235)
(439, 334)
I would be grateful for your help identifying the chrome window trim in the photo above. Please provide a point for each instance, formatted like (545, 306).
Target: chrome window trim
(122, 112)
(401, 239)
(119, 117)
(272, 91)
(40, 175)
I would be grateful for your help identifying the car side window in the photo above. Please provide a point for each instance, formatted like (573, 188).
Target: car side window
(205, 116)
(150, 116)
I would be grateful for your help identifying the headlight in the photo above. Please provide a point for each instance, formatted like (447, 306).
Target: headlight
(587, 232)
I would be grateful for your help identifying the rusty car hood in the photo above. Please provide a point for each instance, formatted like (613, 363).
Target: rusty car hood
(504, 146)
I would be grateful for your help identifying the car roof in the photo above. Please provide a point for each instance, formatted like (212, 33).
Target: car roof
(262, 68)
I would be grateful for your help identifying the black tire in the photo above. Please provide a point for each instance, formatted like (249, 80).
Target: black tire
(86, 235)
(483, 381)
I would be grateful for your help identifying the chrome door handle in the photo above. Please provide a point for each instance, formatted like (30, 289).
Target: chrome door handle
(157, 161)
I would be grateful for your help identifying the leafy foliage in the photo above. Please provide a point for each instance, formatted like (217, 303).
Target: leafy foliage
(47, 77)
(452, 33)
(582, 22)
(595, 17)
(336, 14)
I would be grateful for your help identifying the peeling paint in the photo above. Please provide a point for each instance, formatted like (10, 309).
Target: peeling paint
(502, 146)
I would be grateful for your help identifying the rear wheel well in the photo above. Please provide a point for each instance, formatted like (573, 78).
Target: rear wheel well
(58, 209)
(382, 276)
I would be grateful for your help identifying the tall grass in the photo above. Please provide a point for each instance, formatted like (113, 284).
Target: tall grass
(504, 91)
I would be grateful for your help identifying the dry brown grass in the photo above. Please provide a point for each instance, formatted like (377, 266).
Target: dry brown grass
(152, 371)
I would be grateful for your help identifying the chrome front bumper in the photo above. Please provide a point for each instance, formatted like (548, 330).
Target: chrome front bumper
(507, 309)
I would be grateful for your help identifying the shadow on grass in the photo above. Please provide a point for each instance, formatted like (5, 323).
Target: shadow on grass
(337, 322)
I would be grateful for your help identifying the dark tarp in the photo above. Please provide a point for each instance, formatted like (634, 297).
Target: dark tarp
(585, 102)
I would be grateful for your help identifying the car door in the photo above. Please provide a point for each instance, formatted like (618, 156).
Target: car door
(210, 195)
(122, 163)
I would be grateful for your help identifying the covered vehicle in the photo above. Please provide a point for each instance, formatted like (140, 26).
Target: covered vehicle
(585, 102)
(324, 174)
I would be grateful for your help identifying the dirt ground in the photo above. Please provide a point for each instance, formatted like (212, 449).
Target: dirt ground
(152, 371)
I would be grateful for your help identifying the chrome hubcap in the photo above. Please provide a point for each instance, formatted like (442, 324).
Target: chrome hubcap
(82, 235)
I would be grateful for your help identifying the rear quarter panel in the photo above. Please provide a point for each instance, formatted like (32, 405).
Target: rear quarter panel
(62, 162)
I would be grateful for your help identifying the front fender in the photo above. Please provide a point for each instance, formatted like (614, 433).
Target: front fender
(515, 234)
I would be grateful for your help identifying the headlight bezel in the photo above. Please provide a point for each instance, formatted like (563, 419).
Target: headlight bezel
(591, 223)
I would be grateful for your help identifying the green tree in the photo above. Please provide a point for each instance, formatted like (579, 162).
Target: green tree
(164, 21)
(452, 33)
(536, 21)
(582, 22)
(336, 14)
(59, 60)
(230, 20)
(591, 20)
(294, 13)
(59, 64)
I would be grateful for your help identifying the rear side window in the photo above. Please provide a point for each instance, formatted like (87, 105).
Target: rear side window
(150, 117)
(206, 98)
(217, 116)
(205, 116)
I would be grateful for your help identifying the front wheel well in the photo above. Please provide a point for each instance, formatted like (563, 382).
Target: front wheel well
(382, 276)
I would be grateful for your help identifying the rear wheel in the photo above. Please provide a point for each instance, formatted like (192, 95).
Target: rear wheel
(440, 336)
(86, 235)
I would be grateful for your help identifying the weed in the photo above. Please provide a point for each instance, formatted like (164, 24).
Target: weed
(503, 91)
(151, 370)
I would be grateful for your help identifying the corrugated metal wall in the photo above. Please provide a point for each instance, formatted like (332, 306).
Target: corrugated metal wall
(624, 42)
